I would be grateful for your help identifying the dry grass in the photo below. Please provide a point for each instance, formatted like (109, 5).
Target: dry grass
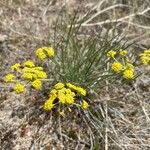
(124, 110)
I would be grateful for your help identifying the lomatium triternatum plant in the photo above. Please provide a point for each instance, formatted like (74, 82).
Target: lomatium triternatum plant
(75, 64)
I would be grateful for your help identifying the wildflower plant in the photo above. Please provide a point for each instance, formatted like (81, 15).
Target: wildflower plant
(73, 65)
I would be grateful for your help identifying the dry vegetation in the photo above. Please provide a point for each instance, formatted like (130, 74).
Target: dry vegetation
(125, 109)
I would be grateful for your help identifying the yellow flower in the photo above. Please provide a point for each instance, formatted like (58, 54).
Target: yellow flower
(53, 92)
(19, 88)
(9, 78)
(147, 52)
(81, 91)
(41, 74)
(38, 73)
(53, 97)
(145, 60)
(50, 51)
(129, 66)
(122, 52)
(145, 57)
(61, 97)
(68, 91)
(27, 70)
(85, 104)
(37, 84)
(111, 53)
(48, 105)
(69, 99)
(29, 63)
(15, 67)
(40, 53)
(59, 86)
(43, 52)
(29, 76)
(128, 74)
(71, 86)
(116, 67)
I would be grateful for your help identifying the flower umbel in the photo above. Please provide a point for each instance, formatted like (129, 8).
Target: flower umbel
(77, 89)
(145, 57)
(128, 74)
(29, 63)
(48, 105)
(15, 67)
(59, 86)
(111, 53)
(19, 88)
(117, 67)
(44, 52)
(9, 78)
(40, 54)
(85, 104)
(66, 95)
(49, 51)
(37, 84)
(122, 52)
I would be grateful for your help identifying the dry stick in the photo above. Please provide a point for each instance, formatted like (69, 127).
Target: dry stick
(97, 7)
(116, 20)
(102, 11)
(140, 37)
(137, 25)
(100, 4)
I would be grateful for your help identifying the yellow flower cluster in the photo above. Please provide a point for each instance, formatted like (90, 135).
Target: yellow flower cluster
(9, 78)
(122, 52)
(126, 67)
(145, 57)
(116, 67)
(128, 74)
(85, 104)
(37, 84)
(15, 67)
(79, 90)
(19, 88)
(33, 73)
(29, 63)
(111, 53)
(26, 71)
(44, 52)
(65, 94)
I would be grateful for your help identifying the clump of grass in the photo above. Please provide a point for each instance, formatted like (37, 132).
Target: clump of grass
(82, 58)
